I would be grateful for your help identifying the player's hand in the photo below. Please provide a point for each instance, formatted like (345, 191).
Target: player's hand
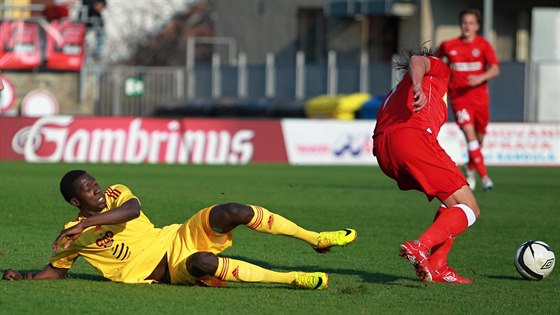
(420, 99)
(475, 80)
(12, 275)
(71, 234)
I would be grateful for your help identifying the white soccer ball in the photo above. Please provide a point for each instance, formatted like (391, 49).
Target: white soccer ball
(534, 260)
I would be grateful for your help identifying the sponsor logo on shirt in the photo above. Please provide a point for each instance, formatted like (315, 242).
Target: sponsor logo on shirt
(466, 66)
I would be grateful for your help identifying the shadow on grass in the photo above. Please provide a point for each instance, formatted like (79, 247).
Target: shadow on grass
(500, 277)
(344, 186)
(86, 276)
(71, 275)
(366, 276)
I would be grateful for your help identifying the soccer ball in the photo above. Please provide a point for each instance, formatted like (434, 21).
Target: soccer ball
(534, 260)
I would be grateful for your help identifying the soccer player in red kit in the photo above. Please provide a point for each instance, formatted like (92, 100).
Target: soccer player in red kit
(405, 144)
(473, 62)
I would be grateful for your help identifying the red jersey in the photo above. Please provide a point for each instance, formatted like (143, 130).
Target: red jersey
(465, 59)
(396, 110)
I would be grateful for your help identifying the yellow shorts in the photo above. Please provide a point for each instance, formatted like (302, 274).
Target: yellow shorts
(195, 235)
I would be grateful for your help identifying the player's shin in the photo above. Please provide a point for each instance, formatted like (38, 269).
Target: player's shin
(449, 223)
(266, 221)
(235, 270)
(476, 158)
(438, 256)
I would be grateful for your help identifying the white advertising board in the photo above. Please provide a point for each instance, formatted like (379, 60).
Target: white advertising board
(522, 144)
(314, 141)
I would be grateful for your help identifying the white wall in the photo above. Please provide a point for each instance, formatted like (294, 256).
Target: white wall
(545, 57)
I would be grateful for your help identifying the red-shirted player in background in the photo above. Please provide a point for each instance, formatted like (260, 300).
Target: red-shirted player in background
(405, 144)
(473, 62)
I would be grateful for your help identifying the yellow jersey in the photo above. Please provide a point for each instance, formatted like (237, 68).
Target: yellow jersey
(126, 252)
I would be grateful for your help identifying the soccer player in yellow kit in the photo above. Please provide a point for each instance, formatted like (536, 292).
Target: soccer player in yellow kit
(115, 237)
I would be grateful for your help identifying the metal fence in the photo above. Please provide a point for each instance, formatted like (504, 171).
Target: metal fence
(136, 91)
(140, 91)
(130, 90)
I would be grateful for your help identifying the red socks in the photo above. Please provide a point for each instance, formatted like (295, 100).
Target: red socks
(476, 160)
(440, 252)
(448, 224)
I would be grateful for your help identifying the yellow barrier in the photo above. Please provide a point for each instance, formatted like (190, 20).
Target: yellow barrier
(342, 106)
(20, 11)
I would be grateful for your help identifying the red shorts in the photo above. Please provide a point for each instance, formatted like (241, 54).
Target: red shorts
(472, 114)
(415, 159)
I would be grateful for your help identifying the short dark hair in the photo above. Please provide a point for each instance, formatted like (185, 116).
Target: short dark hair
(474, 12)
(67, 183)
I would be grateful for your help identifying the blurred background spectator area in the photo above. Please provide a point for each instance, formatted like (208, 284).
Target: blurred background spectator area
(187, 57)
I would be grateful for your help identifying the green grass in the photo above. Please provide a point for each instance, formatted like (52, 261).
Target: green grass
(367, 277)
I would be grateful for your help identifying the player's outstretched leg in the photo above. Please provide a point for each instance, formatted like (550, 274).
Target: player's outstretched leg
(225, 217)
(326, 240)
(212, 270)
(268, 222)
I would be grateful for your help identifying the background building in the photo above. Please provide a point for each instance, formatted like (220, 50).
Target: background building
(213, 51)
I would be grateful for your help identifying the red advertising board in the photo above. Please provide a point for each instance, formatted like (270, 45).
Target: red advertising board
(65, 45)
(54, 139)
(20, 45)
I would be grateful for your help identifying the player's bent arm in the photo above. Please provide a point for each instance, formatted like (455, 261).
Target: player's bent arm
(418, 67)
(124, 213)
(49, 272)
(492, 72)
(127, 211)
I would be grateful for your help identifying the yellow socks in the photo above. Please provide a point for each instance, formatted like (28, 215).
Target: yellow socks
(267, 222)
(234, 270)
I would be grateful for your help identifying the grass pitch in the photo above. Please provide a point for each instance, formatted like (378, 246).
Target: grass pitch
(367, 277)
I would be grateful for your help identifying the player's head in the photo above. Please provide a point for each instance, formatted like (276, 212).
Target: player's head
(402, 61)
(469, 20)
(81, 190)
(67, 187)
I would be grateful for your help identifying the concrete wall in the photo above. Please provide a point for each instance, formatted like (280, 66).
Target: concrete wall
(260, 26)
(64, 86)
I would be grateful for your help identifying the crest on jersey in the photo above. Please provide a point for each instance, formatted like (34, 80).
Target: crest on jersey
(105, 241)
(476, 52)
